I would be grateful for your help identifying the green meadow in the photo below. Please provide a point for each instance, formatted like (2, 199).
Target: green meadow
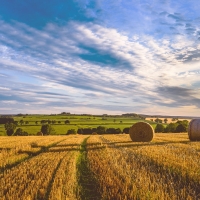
(76, 122)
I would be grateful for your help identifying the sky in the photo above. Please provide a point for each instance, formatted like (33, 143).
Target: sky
(100, 57)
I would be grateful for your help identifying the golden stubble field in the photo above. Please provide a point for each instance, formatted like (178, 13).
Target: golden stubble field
(99, 167)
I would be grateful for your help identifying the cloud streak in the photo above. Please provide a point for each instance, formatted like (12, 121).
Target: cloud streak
(94, 66)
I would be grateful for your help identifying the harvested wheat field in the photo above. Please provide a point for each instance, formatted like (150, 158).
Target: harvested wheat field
(99, 167)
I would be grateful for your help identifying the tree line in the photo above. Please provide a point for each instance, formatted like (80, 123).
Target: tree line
(47, 129)
(178, 127)
(4, 120)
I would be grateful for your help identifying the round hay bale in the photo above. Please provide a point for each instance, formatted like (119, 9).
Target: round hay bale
(94, 133)
(141, 132)
(194, 130)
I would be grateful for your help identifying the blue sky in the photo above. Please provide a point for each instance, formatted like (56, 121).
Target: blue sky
(100, 56)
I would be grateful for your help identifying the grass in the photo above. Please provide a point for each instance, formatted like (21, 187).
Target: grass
(87, 184)
(75, 123)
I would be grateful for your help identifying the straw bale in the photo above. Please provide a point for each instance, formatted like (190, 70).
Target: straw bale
(141, 132)
(194, 130)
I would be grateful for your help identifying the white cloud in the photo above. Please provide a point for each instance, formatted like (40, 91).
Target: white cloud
(52, 56)
(4, 88)
(9, 102)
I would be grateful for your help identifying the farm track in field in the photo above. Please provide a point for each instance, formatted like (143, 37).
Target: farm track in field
(88, 186)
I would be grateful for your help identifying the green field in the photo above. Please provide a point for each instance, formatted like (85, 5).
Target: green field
(76, 122)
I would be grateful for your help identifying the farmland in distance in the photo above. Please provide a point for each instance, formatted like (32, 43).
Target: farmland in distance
(32, 123)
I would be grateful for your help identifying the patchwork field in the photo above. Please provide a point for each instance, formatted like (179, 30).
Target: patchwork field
(99, 167)
(32, 123)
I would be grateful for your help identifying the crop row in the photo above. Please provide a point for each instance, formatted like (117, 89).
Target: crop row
(64, 185)
(16, 149)
(139, 170)
(49, 175)
(178, 153)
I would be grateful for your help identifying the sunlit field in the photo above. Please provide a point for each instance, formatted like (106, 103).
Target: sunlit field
(32, 123)
(99, 167)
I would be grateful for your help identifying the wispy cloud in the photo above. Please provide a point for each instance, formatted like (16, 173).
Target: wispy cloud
(104, 67)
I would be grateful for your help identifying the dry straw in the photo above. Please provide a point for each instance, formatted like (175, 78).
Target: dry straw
(141, 132)
(194, 130)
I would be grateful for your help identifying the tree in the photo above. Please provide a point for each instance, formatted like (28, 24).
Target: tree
(53, 121)
(65, 113)
(43, 121)
(157, 120)
(16, 123)
(20, 132)
(114, 120)
(80, 131)
(181, 128)
(171, 128)
(46, 129)
(20, 115)
(101, 130)
(10, 127)
(94, 130)
(118, 131)
(67, 121)
(4, 120)
(21, 122)
(26, 122)
(87, 131)
(159, 128)
(36, 122)
(184, 123)
(71, 131)
(126, 130)
(165, 120)
(111, 131)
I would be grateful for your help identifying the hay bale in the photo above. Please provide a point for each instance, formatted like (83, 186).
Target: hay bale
(141, 132)
(94, 133)
(194, 130)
